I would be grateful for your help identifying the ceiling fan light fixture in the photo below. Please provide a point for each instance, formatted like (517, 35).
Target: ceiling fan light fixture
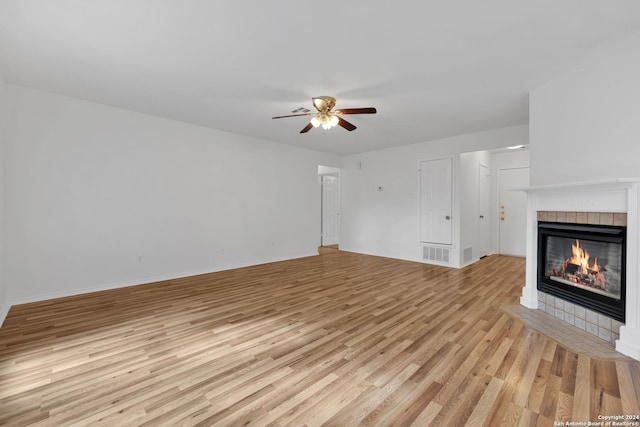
(327, 118)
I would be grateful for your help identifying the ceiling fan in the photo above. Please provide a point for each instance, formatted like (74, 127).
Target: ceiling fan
(327, 118)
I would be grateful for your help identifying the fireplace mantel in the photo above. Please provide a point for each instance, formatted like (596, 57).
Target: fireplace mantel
(614, 183)
(613, 195)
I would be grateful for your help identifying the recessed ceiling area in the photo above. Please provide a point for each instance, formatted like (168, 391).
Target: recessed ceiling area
(432, 69)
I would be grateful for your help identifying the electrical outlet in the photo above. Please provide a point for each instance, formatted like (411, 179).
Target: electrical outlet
(139, 259)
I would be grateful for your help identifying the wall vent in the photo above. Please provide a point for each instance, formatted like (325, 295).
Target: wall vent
(441, 255)
(467, 254)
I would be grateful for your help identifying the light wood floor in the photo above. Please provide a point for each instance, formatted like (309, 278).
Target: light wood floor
(338, 339)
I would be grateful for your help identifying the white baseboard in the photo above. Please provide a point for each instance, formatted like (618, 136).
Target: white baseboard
(629, 342)
(529, 298)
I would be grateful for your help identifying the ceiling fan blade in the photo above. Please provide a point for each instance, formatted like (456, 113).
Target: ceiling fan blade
(307, 128)
(293, 115)
(368, 110)
(345, 124)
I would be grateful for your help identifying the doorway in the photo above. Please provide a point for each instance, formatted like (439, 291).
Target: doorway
(484, 203)
(329, 206)
(512, 223)
(436, 194)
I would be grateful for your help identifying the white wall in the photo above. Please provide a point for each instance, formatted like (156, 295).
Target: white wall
(509, 160)
(585, 124)
(91, 189)
(4, 304)
(385, 222)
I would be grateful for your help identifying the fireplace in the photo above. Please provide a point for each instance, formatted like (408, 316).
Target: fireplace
(584, 264)
(607, 204)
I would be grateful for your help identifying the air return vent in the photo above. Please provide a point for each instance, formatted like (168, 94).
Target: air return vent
(467, 254)
(441, 255)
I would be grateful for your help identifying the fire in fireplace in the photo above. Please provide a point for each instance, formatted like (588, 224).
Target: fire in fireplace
(584, 264)
(578, 270)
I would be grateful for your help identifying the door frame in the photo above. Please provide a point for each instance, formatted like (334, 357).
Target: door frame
(497, 206)
(488, 244)
(331, 171)
(455, 237)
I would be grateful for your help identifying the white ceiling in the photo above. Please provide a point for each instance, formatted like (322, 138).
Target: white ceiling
(431, 68)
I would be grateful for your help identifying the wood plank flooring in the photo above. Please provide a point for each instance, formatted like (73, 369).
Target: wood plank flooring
(339, 339)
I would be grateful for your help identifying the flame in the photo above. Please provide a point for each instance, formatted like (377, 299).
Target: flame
(580, 257)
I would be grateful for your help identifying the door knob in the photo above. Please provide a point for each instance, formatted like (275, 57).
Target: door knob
(481, 216)
(447, 217)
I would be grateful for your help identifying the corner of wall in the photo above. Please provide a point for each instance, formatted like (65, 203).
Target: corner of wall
(4, 311)
(4, 306)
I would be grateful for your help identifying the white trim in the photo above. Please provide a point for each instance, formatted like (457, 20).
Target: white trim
(529, 297)
(601, 183)
(629, 342)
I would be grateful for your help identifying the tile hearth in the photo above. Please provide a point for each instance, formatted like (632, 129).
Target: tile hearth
(582, 318)
(578, 341)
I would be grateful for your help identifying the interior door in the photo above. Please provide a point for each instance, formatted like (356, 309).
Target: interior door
(484, 226)
(513, 211)
(435, 201)
(330, 210)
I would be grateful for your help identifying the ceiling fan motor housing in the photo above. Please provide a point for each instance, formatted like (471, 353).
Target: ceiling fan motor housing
(324, 103)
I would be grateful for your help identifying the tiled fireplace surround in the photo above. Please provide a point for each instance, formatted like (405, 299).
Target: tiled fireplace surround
(610, 202)
(582, 318)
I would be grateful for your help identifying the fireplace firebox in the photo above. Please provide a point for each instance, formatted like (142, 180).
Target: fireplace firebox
(584, 264)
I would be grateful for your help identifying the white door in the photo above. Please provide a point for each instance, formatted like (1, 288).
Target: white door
(484, 226)
(330, 210)
(512, 211)
(435, 201)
